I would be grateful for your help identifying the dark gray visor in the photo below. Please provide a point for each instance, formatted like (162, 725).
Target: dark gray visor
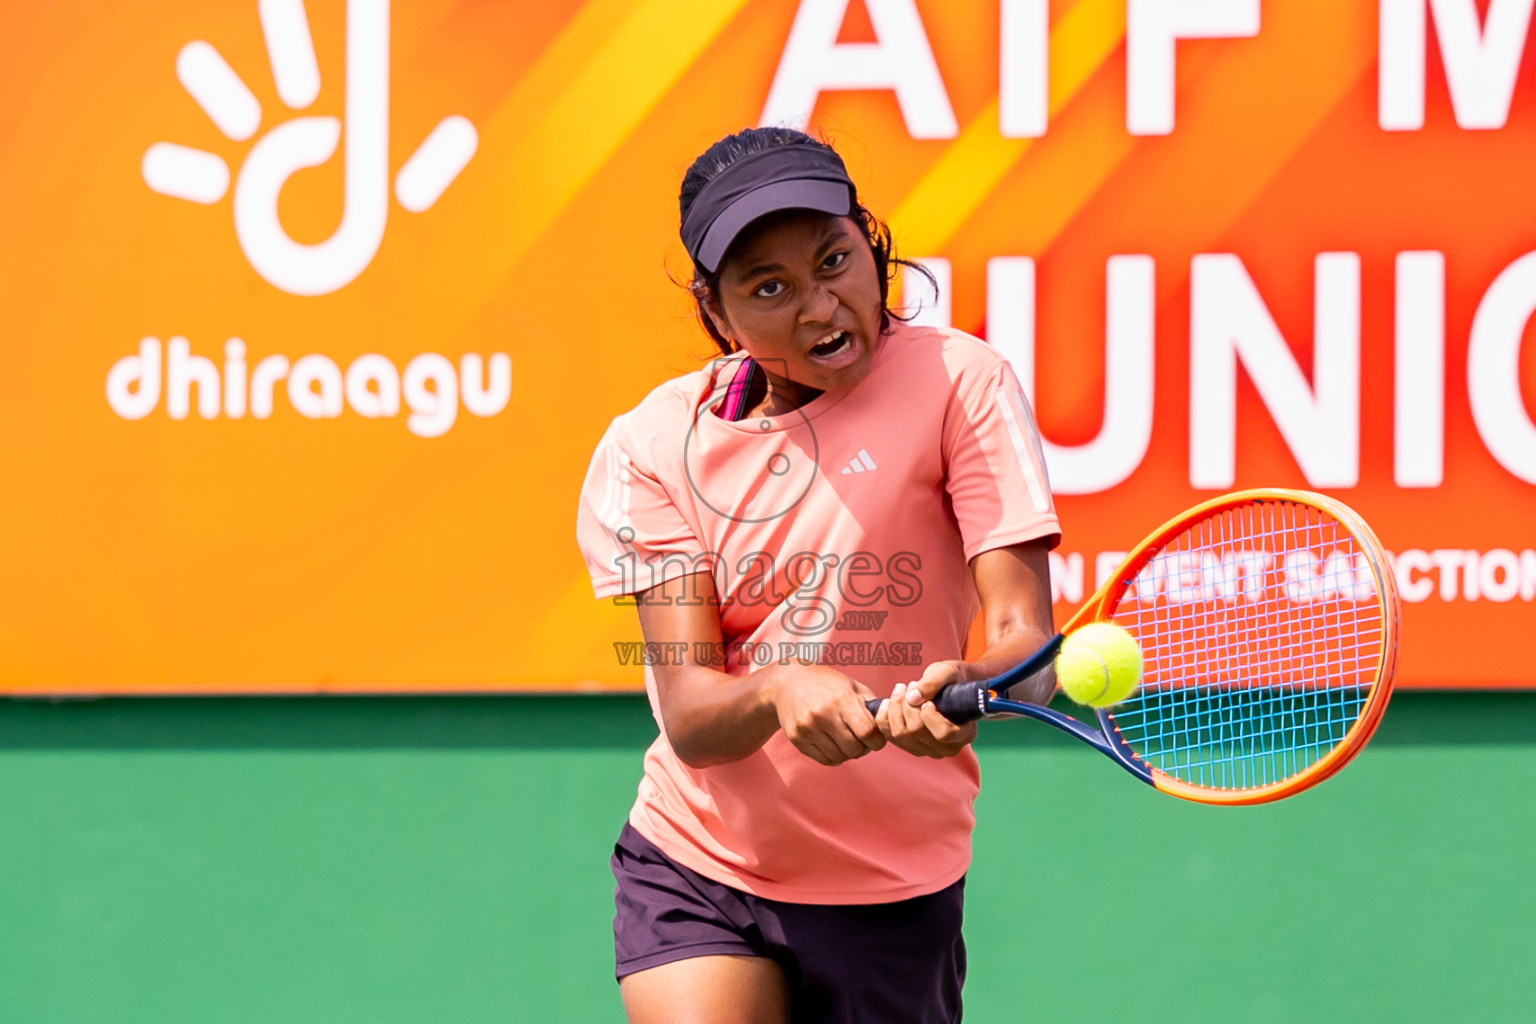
(798, 177)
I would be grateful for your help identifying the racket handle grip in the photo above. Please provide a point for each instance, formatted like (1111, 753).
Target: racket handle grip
(958, 702)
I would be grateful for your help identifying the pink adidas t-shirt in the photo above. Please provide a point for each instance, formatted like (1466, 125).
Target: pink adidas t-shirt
(841, 531)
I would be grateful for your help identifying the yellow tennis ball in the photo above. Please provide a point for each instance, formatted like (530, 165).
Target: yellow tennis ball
(1099, 664)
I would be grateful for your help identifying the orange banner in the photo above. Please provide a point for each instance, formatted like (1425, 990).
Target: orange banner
(315, 311)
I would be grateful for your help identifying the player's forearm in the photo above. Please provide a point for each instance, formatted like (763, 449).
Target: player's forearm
(714, 718)
(1015, 589)
(1009, 650)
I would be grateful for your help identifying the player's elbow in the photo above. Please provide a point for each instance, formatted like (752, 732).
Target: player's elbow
(1037, 689)
(697, 758)
(690, 736)
(700, 747)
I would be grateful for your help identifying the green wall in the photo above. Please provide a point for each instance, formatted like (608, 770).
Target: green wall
(445, 860)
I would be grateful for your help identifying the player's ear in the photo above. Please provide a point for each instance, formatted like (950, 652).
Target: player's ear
(716, 316)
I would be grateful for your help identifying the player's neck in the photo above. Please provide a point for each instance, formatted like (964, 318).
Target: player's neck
(772, 395)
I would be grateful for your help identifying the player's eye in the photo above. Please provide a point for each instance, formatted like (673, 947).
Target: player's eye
(769, 289)
(834, 260)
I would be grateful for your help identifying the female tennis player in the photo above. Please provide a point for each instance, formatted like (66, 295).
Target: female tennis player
(810, 521)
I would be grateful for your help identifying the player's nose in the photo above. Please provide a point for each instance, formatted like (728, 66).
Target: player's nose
(819, 305)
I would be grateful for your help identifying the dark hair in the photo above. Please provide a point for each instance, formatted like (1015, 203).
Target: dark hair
(714, 160)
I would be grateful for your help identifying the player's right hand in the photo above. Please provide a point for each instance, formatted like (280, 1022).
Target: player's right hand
(822, 712)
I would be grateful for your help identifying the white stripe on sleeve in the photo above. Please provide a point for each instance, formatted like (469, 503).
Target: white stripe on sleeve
(1025, 448)
(614, 512)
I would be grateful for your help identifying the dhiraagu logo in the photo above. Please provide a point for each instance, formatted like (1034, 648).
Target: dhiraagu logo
(202, 177)
(316, 386)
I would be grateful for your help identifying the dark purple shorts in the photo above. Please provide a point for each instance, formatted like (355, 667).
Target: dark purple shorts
(891, 963)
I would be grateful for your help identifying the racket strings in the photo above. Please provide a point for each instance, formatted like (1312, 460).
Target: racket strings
(1260, 627)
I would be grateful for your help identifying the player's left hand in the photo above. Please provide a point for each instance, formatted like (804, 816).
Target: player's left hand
(911, 721)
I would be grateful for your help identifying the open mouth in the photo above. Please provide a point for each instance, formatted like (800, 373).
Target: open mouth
(833, 344)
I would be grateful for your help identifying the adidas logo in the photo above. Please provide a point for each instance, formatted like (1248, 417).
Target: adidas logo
(860, 463)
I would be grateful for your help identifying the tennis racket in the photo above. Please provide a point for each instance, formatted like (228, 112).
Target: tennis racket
(1268, 622)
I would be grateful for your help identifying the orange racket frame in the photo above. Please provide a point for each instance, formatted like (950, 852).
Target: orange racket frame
(1103, 604)
(968, 701)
